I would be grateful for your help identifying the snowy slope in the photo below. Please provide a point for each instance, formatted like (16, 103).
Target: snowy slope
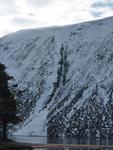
(67, 75)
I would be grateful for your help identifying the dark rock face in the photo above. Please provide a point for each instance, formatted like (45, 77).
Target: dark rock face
(67, 76)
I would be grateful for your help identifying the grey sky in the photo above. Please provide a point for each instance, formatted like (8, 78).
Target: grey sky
(22, 14)
(39, 3)
(22, 21)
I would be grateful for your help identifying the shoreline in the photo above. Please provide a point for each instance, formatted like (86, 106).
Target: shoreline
(8, 145)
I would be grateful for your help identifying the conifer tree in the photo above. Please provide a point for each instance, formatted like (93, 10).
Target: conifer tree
(7, 103)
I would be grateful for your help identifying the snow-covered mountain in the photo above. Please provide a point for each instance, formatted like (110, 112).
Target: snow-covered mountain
(66, 74)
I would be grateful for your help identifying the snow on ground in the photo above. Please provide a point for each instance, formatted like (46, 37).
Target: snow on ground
(35, 60)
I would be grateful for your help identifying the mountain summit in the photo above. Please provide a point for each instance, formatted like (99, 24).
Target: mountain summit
(66, 74)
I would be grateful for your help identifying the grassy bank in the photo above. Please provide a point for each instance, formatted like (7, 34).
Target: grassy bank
(4, 145)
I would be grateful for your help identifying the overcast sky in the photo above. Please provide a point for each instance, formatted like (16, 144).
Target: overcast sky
(21, 14)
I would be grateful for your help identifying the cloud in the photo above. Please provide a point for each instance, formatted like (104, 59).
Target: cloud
(39, 3)
(8, 7)
(31, 14)
(22, 21)
(102, 4)
(102, 8)
(62, 12)
(96, 14)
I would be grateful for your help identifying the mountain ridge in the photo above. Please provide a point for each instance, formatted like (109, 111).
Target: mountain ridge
(66, 73)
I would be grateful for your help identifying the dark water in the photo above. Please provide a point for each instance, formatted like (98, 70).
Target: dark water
(65, 140)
